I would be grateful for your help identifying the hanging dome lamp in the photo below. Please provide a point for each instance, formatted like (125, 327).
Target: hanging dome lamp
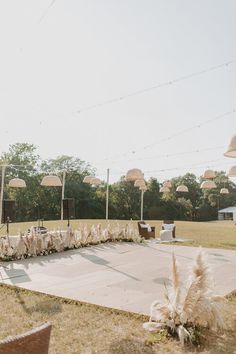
(224, 191)
(95, 181)
(143, 188)
(134, 174)
(208, 185)
(232, 172)
(51, 181)
(164, 189)
(182, 188)
(17, 183)
(87, 179)
(209, 174)
(139, 183)
(231, 151)
(167, 184)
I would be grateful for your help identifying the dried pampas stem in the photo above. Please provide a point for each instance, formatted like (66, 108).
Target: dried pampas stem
(198, 307)
(35, 244)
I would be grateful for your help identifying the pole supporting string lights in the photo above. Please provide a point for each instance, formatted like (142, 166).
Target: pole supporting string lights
(134, 175)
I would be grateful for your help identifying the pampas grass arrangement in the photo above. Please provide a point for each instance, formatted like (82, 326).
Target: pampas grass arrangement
(188, 307)
(36, 244)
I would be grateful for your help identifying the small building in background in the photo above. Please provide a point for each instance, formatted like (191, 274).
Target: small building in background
(227, 213)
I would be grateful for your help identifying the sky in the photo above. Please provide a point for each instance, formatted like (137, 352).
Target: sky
(61, 59)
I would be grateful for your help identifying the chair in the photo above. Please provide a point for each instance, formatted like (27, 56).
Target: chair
(146, 230)
(169, 225)
(38, 230)
(35, 341)
(166, 235)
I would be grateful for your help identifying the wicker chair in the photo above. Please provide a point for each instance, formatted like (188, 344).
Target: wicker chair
(169, 222)
(143, 231)
(35, 341)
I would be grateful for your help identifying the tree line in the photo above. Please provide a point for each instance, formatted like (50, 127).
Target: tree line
(37, 202)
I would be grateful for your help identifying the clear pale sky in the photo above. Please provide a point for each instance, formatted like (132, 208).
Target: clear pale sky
(58, 59)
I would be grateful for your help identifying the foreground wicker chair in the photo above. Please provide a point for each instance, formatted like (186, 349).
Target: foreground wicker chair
(143, 230)
(35, 341)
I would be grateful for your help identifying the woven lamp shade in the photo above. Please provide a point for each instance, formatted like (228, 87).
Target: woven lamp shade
(139, 183)
(143, 188)
(231, 151)
(87, 179)
(208, 185)
(224, 191)
(232, 172)
(95, 181)
(182, 188)
(164, 189)
(134, 174)
(208, 174)
(167, 184)
(17, 183)
(51, 181)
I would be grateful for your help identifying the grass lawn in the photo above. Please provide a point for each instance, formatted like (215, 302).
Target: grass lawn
(218, 234)
(81, 328)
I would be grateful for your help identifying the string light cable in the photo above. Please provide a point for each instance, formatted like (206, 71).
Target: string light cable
(168, 138)
(171, 155)
(156, 86)
(208, 164)
(122, 173)
(45, 12)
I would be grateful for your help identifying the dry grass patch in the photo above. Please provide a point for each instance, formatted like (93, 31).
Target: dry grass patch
(216, 234)
(89, 329)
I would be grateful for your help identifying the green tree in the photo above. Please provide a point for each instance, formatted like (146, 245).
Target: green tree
(152, 200)
(87, 203)
(22, 161)
(125, 200)
(194, 192)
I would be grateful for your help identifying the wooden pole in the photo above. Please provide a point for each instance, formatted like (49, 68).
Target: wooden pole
(142, 193)
(2, 190)
(63, 192)
(107, 195)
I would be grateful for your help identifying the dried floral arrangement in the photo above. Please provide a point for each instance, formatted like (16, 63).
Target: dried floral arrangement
(36, 244)
(189, 307)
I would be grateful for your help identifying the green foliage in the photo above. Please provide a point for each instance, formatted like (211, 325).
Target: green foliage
(36, 201)
(125, 199)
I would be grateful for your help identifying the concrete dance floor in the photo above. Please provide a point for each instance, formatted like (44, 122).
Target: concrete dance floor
(125, 276)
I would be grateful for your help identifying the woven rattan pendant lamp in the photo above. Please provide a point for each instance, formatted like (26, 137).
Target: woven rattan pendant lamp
(51, 181)
(209, 174)
(17, 183)
(143, 188)
(182, 188)
(232, 172)
(139, 183)
(167, 184)
(164, 189)
(87, 179)
(95, 181)
(208, 185)
(224, 191)
(134, 174)
(231, 151)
